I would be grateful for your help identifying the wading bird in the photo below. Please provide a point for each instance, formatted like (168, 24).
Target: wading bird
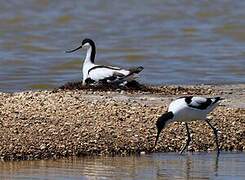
(93, 73)
(186, 109)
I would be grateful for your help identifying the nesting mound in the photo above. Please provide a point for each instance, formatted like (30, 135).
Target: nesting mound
(136, 88)
(130, 86)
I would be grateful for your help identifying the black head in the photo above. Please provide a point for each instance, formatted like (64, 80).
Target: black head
(161, 123)
(86, 43)
(89, 41)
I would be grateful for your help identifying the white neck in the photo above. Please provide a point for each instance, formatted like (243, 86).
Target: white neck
(88, 55)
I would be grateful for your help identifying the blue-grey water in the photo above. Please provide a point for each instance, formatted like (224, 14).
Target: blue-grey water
(178, 42)
(229, 166)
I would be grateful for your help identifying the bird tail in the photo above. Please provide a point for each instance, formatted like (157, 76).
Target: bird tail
(135, 70)
(132, 72)
(217, 99)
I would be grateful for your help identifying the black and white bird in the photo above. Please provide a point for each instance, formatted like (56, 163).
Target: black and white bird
(186, 109)
(93, 73)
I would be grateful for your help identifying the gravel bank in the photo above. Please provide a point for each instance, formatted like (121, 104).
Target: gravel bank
(46, 124)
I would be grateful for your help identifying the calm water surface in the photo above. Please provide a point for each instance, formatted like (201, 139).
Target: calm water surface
(228, 166)
(176, 41)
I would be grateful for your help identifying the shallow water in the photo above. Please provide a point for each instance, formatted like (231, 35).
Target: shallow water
(176, 41)
(154, 166)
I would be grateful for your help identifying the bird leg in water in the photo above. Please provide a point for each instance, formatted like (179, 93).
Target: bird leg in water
(215, 131)
(188, 139)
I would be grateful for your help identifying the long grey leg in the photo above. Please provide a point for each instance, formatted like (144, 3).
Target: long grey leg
(188, 139)
(215, 131)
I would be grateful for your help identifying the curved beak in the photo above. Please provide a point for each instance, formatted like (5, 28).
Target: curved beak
(73, 50)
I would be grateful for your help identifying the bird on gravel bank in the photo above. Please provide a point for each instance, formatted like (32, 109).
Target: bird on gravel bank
(94, 74)
(186, 109)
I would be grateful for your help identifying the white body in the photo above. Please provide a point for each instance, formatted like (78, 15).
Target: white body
(182, 112)
(101, 73)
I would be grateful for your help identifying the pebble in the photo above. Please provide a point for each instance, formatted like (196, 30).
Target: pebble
(79, 122)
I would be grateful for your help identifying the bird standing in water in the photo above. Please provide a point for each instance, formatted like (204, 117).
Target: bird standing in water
(186, 109)
(93, 73)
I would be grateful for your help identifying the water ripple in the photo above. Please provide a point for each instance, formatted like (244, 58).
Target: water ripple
(174, 40)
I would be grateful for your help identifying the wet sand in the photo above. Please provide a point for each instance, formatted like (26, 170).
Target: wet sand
(53, 124)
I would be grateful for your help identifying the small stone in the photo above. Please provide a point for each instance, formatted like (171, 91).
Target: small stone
(43, 146)
(90, 121)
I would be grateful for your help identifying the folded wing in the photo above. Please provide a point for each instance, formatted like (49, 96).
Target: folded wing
(201, 102)
(109, 74)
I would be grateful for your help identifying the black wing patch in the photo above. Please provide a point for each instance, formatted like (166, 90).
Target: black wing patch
(187, 99)
(115, 77)
(198, 104)
(108, 79)
(89, 81)
(136, 70)
(102, 66)
(217, 99)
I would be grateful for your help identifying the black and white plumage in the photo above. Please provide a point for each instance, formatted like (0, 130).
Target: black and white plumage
(186, 109)
(93, 73)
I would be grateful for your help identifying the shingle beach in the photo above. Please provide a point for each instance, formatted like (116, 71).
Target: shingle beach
(52, 124)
